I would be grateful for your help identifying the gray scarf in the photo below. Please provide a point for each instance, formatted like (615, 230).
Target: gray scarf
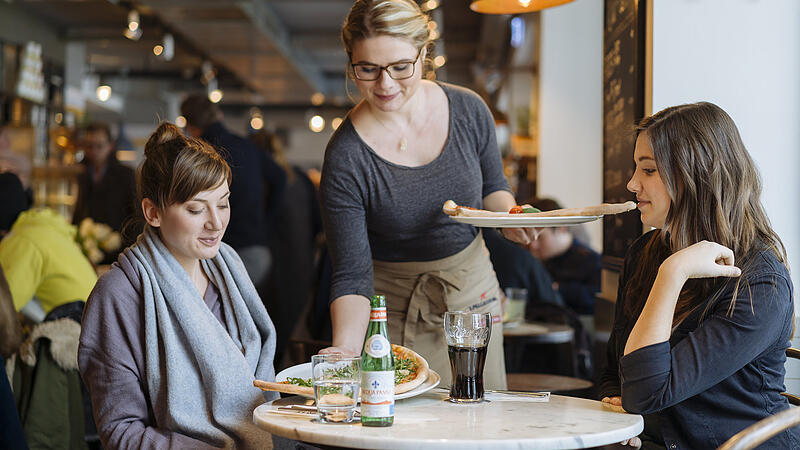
(200, 376)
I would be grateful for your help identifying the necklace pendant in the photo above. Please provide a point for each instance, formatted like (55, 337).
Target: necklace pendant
(403, 144)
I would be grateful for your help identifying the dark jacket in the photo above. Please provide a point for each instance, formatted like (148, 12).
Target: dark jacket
(577, 272)
(112, 200)
(719, 373)
(255, 176)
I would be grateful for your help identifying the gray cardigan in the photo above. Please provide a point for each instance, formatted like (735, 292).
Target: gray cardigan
(111, 361)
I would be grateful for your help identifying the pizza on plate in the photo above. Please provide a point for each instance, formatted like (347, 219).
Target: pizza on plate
(410, 371)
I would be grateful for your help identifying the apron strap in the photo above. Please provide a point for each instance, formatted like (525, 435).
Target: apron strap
(429, 301)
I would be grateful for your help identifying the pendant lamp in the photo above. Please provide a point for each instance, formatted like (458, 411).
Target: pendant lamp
(513, 6)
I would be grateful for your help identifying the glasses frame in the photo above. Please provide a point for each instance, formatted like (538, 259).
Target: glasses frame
(386, 68)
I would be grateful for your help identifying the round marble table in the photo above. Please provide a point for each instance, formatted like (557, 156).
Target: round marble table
(429, 421)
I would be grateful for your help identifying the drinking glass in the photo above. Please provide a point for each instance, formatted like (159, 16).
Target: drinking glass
(337, 380)
(467, 341)
(516, 299)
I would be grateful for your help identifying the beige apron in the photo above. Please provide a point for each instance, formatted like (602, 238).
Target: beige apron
(419, 293)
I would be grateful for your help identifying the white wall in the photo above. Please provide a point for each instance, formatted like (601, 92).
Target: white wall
(743, 55)
(571, 108)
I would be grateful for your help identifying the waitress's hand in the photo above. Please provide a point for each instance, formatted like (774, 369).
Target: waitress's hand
(340, 350)
(701, 260)
(522, 236)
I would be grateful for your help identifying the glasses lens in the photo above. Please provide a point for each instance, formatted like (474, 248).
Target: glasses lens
(367, 72)
(401, 71)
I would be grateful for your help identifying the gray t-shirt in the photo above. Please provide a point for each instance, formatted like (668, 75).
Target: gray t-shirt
(398, 209)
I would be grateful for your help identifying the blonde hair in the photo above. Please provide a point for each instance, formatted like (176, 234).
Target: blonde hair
(397, 18)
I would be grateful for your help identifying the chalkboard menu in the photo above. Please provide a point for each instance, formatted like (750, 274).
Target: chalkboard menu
(623, 106)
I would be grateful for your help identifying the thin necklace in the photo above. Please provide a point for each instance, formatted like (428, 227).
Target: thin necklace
(403, 146)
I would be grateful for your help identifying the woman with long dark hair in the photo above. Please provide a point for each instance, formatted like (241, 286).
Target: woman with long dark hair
(704, 310)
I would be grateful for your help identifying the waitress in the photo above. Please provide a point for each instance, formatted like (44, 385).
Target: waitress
(408, 146)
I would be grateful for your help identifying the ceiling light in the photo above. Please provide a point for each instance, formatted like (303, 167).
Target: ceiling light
(318, 98)
(430, 5)
(215, 95)
(256, 120)
(439, 61)
(103, 92)
(513, 6)
(158, 49)
(316, 123)
(134, 30)
(180, 121)
(336, 122)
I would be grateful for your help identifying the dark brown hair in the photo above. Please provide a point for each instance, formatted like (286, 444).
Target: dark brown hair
(176, 167)
(199, 111)
(98, 127)
(715, 193)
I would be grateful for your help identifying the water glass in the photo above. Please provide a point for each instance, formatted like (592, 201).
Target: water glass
(467, 341)
(337, 380)
(514, 311)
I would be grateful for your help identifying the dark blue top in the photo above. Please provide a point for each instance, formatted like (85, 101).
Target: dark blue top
(577, 272)
(516, 267)
(255, 175)
(719, 373)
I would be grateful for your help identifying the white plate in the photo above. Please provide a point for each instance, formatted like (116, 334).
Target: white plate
(304, 371)
(521, 222)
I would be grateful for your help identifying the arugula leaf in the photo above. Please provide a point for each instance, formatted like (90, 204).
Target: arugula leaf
(300, 381)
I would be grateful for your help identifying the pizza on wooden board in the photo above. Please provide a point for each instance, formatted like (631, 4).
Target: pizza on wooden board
(410, 371)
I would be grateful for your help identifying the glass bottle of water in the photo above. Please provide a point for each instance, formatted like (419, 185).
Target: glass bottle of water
(377, 369)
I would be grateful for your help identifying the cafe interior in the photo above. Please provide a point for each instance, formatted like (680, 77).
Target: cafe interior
(565, 82)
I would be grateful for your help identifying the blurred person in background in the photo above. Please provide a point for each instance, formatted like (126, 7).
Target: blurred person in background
(38, 252)
(106, 188)
(573, 265)
(174, 333)
(292, 239)
(256, 179)
(13, 162)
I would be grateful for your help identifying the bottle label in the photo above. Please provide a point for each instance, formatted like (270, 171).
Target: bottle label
(377, 314)
(377, 346)
(377, 394)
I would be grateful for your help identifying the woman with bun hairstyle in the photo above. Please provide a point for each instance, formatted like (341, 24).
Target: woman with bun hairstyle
(705, 306)
(406, 148)
(174, 333)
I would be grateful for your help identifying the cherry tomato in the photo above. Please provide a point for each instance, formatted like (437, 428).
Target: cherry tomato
(515, 210)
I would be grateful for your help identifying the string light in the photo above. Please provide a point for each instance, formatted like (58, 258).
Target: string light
(180, 121)
(158, 49)
(336, 122)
